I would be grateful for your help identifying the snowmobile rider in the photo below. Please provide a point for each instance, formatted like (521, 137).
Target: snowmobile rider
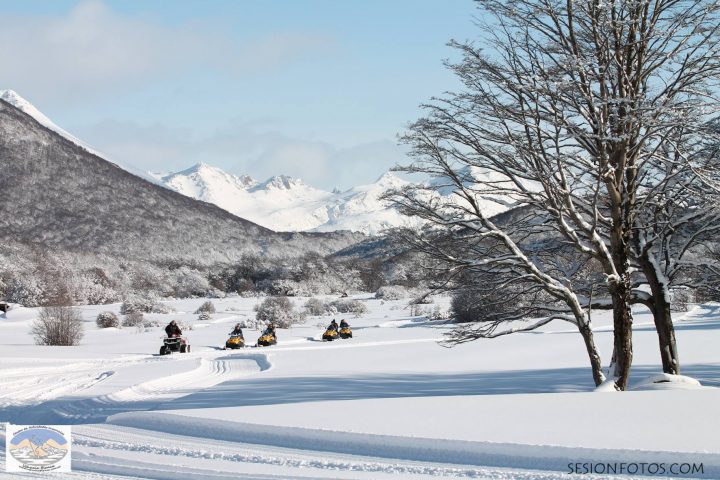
(237, 330)
(344, 324)
(333, 325)
(173, 330)
(270, 330)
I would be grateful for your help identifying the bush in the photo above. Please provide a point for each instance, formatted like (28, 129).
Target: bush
(681, 299)
(107, 320)
(206, 307)
(133, 319)
(315, 306)
(204, 317)
(58, 326)
(485, 305)
(143, 305)
(345, 305)
(391, 293)
(278, 310)
(25, 291)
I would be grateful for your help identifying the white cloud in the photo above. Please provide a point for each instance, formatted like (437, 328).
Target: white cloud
(242, 149)
(95, 49)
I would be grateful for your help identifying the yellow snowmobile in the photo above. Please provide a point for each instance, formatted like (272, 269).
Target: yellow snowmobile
(235, 341)
(345, 332)
(266, 339)
(330, 335)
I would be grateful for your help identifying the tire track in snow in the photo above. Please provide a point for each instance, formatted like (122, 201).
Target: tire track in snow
(34, 385)
(108, 439)
(147, 395)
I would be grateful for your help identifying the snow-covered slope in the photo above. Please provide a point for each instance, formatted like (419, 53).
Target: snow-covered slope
(288, 204)
(389, 403)
(11, 97)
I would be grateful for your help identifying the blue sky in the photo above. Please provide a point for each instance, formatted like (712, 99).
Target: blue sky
(315, 89)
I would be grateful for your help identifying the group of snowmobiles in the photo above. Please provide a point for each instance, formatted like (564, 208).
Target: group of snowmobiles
(269, 337)
(175, 342)
(237, 340)
(335, 331)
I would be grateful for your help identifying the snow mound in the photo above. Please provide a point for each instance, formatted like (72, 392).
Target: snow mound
(666, 381)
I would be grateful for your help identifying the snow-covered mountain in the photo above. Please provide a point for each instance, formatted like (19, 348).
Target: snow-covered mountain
(284, 203)
(11, 97)
(280, 203)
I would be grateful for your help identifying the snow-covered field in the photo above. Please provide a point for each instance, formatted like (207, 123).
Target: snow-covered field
(389, 402)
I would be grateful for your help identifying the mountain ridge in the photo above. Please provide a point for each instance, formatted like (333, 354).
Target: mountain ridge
(61, 196)
(285, 203)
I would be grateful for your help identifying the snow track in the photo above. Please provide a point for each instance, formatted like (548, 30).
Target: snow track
(146, 395)
(412, 449)
(102, 446)
(30, 385)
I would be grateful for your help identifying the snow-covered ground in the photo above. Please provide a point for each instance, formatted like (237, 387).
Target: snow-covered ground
(388, 403)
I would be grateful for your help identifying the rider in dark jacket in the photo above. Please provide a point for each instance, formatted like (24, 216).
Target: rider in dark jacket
(173, 330)
(237, 330)
(344, 324)
(270, 330)
(333, 325)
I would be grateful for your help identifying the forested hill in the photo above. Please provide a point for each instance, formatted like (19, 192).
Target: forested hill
(55, 194)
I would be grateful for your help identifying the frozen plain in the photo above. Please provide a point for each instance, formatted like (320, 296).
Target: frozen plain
(389, 403)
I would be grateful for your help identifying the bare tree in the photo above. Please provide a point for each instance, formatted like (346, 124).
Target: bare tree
(676, 219)
(58, 326)
(563, 108)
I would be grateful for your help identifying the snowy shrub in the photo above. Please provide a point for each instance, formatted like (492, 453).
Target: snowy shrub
(484, 305)
(133, 319)
(438, 314)
(204, 317)
(418, 310)
(215, 293)
(26, 291)
(391, 292)
(245, 288)
(206, 307)
(278, 310)
(315, 306)
(282, 287)
(162, 308)
(680, 299)
(107, 320)
(144, 305)
(136, 305)
(467, 307)
(189, 283)
(93, 289)
(58, 326)
(346, 305)
(422, 300)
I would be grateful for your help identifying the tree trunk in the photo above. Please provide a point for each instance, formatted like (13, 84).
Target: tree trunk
(662, 317)
(595, 362)
(622, 330)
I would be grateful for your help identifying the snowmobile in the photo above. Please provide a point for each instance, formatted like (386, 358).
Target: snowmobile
(235, 341)
(330, 335)
(345, 332)
(174, 344)
(266, 339)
